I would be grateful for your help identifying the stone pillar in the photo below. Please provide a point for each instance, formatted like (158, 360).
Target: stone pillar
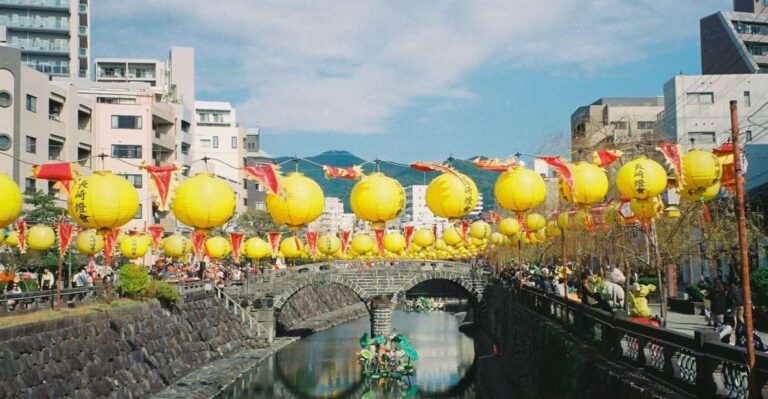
(381, 317)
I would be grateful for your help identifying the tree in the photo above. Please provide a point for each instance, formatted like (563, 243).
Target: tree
(42, 209)
(256, 222)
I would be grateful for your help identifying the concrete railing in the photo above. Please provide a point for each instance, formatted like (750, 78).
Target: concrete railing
(245, 317)
(37, 300)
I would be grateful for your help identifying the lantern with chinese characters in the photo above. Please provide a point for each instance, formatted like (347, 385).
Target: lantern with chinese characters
(40, 237)
(362, 244)
(509, 227)
(102, 201)
(217, 247)
(134, 246)
(641, 178)
(707, 194)
(647, 209)
(452, 236)
(300, 201)
(10, 201)
(480, 229)
(175, 246)
(534, 221)
(291, 247)
(520, 190)
(590, 184)
(451, 195)
(377, 198)
(204, 202)
(256, 248)
(328, 244)
(89, 243)
(423, 238)
(701, 169)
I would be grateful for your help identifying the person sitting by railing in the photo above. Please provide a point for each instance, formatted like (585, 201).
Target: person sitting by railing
(12, 289)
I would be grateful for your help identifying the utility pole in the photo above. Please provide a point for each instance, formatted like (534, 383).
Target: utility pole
(742, 221)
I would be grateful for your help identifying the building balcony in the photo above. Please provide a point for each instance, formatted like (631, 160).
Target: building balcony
(82, 30)
(56, 50)
(35, 26)
(165, 140)
(83, 9)
(50, 69)
(82, 52)
(53, 5)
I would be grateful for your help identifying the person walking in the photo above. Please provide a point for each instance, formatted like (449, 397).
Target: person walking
(736, 297)
(719, 300)
(46, 281)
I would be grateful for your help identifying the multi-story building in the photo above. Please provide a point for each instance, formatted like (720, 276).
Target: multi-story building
(118, 70)
(255, 192)
(53, 35)
(735, 42)
(417, 213)
(332, 219)
(613, 123)
(40, 121)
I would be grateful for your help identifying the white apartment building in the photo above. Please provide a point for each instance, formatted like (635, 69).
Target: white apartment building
(417, 213)
(53, 35)
(333, 219)
(255, 192)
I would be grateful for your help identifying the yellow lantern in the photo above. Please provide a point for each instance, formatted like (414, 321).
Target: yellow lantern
(497, 238)
(40, 237)
(300, 201)
(611, 215)
(362, 244)
(553, 230)
(440, 244)
(563, 220)
(701, 169)
(647, 209)
(204, 202)
(12, 240)
(394, 242)
(541, 234)
(509, 226)
(480, 229)
(256, 248)
(641, 178)
(133, 247)
(534, 222)
(580, 219)
(102, 201)
(175, 246)
(452, 236)
(451, 195)
(89, 243)
(708, 194)
(520, 190)
(217, 247)
(423, 238)
(377, 199)
(291, 247)
(328, 244)
(10, 201)
(590, 184)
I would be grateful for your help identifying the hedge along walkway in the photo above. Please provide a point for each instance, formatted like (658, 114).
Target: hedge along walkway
(50, 314)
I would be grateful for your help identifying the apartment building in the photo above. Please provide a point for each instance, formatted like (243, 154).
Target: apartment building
(735, 42)
(417, 213)
(333, 219)
(255, 192)
(53, 35)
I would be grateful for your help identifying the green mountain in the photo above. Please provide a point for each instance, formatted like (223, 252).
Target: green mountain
(311, 167)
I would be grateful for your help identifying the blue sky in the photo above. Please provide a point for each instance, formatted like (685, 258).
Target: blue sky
(406, 80)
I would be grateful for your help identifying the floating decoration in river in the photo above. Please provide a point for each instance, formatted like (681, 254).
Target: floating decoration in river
(300, 201)
(102, 201)
(204, 202)
(381, 357)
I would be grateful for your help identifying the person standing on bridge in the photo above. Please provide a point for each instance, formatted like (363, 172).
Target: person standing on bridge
(719, 300)
(736, 298)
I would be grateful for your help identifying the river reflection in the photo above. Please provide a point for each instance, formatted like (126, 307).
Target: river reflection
(324, 365)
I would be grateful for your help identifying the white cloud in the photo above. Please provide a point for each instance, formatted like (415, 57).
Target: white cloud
(349, 66)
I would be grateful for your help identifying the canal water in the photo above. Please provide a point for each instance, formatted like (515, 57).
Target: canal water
(324, 365)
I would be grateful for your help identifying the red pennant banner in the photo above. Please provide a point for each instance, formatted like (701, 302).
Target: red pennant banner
(274, 241)
(380, 240)
(350, 173)
(63, 173)
(198, 242)
(725, 154)
(236, 239)
(264, 174)
(495, 165)
(156, 231)
(408, 235)
(495, 217)
(671, 153)
(345, 234)
(21, 226)
(65, 236)
(311, 242)
(464, 229)
(562, 169)
(432, 167)
(603, 158)
(110, 238)
(162, 178)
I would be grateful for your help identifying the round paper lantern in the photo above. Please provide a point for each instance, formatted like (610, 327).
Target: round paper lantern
(217, 247)
(10, 201)
(423, 238)
(534, 221)
(451, 195)
(647, 209)
(590, 184)
(377, 198)
(291, 247)
(641, 178)
(520, 190)
(497, 238)
(362, 244)
(563, 220)
(299, 202)
(102, 201)
(440, 244)
(708, 194)
(580, 219)
(12, 240)
(133, 247)
(204, 202)
(89, 242)
(328, 244)
(256, 248)
(452, 236)
(541, 234)
(509, 226)
(175, 246)
(480, 229)
(701, 169)
(394, 242)
(40, 237)
(553, 230)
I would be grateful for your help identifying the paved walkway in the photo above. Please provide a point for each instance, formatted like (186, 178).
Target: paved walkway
(687, 323)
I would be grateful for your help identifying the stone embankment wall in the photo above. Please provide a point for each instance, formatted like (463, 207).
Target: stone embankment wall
(543, 361)
(125, 353)
(313, 301)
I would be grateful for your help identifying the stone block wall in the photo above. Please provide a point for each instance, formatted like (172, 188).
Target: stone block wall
(315, 300)
(123, 353)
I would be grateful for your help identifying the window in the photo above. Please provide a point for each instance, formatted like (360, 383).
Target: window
(5, 142)
(748, 136)
(139, 212)
(136, 180)
(205, 143)
(702, 139)
(234, 141)
(215, 141)
(31, 145)
(31, 103)
(620, 125)
(645, 124)
(52, 190)
(185, 148)
(55, 147)
(245, 184)
(29, 186)
(245, 201)
(701, 98)
(126, 151)
(115, 100)
(747, 99)
(126, 122)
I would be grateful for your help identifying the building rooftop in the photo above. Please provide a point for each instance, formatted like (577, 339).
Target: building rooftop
(128, 60)
(631, 101)
(215, 105)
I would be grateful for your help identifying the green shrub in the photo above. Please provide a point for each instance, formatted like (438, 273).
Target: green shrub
(28, 285)
(694, 293)
(758, 281)
(649, 280)
(134, 280)
(165, 293)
